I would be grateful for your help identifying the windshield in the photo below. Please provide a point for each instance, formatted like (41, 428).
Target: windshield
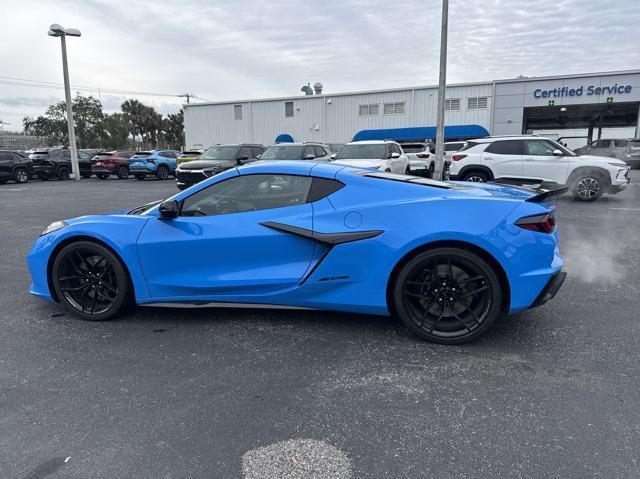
(281, 152)
(191, 153)
(219, 153)
(142, 153)
(362, 152)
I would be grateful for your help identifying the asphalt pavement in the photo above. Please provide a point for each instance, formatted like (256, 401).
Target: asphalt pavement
(217, 393)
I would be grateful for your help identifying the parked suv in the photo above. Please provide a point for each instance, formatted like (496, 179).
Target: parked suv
(109, 163)
(297, 151)
(421, 157)
(160, 163)
(15, 166)
(216, 159)
(57, 162)
(624, 149)
(536, 159)
(377, 154)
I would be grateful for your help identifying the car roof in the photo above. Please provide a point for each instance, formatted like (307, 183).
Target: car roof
(491, 139)
(293, 167)
(371, 142)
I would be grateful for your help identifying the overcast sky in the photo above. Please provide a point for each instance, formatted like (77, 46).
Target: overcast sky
(233, 49)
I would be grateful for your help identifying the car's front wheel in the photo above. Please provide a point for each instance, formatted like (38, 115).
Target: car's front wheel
(63, 173)
(123, 172)
(587, 187)
(162, 173)
(447, 295)
(90, 281)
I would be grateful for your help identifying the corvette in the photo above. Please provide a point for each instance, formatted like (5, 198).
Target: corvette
(446, 258)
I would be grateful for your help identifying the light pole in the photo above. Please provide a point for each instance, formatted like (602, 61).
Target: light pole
(56, 30)
(439, 167)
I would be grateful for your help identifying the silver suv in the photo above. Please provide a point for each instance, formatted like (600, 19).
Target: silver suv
(624, 149)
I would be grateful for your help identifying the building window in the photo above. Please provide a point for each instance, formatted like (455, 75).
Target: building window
(452, 104)
(237, 112)
(393, 108)
(288, 108)
(477, 103)
(368, 110)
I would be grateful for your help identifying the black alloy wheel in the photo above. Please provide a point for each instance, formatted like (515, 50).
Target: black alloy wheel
(20, 175)
(162, 172)
(447, 295)
(63, 173)
(123, 172)
(90, 281)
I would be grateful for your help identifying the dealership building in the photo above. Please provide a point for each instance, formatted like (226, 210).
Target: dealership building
(574, 108)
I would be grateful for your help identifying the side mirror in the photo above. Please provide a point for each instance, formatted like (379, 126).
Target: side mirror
(309, 157)
(168, 209)
(259, 156)
(242, 158)
(333, 157)
(394, 155)
(557, 153)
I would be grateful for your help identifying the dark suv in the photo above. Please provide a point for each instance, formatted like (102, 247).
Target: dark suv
(216, 159)
(298, 151)
(15, 166)
(57, 162)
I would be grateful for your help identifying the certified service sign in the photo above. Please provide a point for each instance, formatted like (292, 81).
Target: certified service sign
(580, 91)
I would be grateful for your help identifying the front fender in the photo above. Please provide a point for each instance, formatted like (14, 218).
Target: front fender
(118, 232)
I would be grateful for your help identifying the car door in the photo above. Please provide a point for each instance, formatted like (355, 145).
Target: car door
(6, 163)
(504, 158)
(539, 162)
(245, 155)
(218, 246)
(396, 165)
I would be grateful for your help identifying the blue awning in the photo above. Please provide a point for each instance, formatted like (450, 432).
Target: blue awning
(284, 138)
(458, 132)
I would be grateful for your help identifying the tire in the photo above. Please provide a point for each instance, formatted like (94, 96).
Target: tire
(432, 170)
(122, 173)
(20, 175)
(140, 177)
(447, 295)
(86, 176)
(162, 172)
(102, 176)
(587, 187)
(407, 170)
(90, 281)
(63, 173)
(476, 177)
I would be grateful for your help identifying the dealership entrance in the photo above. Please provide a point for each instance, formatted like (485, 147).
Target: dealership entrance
(593, 118)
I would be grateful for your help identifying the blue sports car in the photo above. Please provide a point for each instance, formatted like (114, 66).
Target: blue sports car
(446, 258)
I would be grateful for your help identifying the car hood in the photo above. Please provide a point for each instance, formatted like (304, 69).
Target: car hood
(201, 164)
(366, 163)
(601, 159)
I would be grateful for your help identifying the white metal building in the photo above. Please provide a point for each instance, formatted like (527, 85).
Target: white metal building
(602, 104)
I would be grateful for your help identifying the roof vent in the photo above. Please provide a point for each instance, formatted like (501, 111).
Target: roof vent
(317, 86)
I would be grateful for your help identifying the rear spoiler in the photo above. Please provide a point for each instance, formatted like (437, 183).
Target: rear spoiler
(541, 193)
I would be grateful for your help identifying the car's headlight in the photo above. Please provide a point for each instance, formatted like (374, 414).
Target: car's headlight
(55, 226)
(618, 165)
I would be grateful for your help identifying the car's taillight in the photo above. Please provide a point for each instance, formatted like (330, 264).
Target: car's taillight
(544, 223)
(458, 157)
(423, 155)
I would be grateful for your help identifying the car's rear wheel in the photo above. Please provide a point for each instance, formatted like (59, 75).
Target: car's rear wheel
(21, 175)
(447, 295)
(140, 177)
(588, 187)
(407, 170)
(63, 173)
(162, 173)
(90, 281)
(475, 177)
(123, 172)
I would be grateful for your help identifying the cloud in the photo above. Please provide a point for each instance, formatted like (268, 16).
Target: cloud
(231, 49)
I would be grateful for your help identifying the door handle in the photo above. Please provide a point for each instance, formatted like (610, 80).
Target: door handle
(529, 159)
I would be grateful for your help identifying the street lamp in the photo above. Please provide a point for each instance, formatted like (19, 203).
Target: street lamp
(442, 84)
(56, 30)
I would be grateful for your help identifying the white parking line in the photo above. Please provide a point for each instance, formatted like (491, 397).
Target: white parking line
(13, 189)
(626, 209)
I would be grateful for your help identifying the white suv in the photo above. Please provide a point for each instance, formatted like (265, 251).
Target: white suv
(536, 159)
(381, 155)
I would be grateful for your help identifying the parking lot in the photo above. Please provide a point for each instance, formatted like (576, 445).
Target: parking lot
(178, 393)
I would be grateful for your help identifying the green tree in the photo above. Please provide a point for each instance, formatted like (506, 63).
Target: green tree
(115, 131)
(173, 130)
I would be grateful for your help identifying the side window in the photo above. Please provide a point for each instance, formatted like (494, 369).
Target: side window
(320, 151)
(245, 151)
(4, 156)
(393, 148)
(256, 151)
(602, 144)
(621, 143)
(309, 150)
(507, 147)
(248, 193)
(539, 148)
